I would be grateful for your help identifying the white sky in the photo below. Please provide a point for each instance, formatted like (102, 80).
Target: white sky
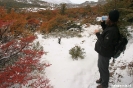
(81, 1)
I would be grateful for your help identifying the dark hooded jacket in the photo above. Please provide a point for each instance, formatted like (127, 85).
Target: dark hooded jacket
(107, 40)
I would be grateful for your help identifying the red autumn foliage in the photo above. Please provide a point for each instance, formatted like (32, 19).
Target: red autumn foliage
(41, 81)
(14, 47)
(27, 62)
(33, 24)
(1, 23)
(5, 23)
(33, 21)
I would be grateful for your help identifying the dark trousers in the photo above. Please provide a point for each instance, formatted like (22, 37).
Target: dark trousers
(103, 65)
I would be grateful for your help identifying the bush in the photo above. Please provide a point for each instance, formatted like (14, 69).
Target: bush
(59, 22)
(19, 60)
(130, 68)
(77, 52)
(37, 46)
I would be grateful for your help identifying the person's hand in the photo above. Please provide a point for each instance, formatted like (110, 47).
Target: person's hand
(101, 21)
(96, 31)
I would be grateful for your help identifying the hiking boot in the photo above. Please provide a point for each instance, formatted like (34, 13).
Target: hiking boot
(99, 81)
(100, 86)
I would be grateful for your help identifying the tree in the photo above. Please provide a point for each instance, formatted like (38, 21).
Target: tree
(62, 9)
(126, 17)
(126, 13)
(19, 22)
(19, 60)
(26, 61)
(58, 23)
(87, 9)
(3, 12)
(33, 24)
(5, 34)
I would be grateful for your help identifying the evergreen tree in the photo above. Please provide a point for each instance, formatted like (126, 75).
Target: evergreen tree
(126, 13)
(63, 9)
(126, 16)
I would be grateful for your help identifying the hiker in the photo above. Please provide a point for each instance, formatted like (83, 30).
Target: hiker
(105, 46)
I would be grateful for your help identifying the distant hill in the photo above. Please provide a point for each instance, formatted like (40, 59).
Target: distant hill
(58, 1)
(42, 4)
(22, 3)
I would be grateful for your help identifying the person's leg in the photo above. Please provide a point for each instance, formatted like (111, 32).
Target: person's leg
(103, 64)
(100, 79)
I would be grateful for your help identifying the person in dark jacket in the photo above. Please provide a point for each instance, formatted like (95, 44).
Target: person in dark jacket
(105, 46)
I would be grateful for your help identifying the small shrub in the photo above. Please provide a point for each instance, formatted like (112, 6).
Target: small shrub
(79, 35)
(130, 68)
(77, 52)
(37, 46)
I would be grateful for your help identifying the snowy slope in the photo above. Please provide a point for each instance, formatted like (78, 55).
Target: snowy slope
(58, 1)
(68, 73)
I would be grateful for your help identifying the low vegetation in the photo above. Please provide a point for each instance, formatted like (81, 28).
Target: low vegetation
(17, 27)
(77, 52)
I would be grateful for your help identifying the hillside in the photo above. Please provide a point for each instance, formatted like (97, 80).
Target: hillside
(22, 3)
(44, 3)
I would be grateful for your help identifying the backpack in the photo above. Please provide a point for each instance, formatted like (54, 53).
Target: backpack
(120, 46)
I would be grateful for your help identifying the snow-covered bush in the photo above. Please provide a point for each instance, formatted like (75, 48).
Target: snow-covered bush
(77, 52)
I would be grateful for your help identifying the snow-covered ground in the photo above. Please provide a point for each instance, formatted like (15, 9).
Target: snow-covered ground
(82, 73)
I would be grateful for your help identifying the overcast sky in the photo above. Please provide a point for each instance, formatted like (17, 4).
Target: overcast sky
(81, 1)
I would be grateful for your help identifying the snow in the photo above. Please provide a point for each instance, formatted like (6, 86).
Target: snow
(58, 1)
(34, 9)
(82, 73)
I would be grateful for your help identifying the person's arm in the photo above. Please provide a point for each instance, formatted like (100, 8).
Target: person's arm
(103, 25)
